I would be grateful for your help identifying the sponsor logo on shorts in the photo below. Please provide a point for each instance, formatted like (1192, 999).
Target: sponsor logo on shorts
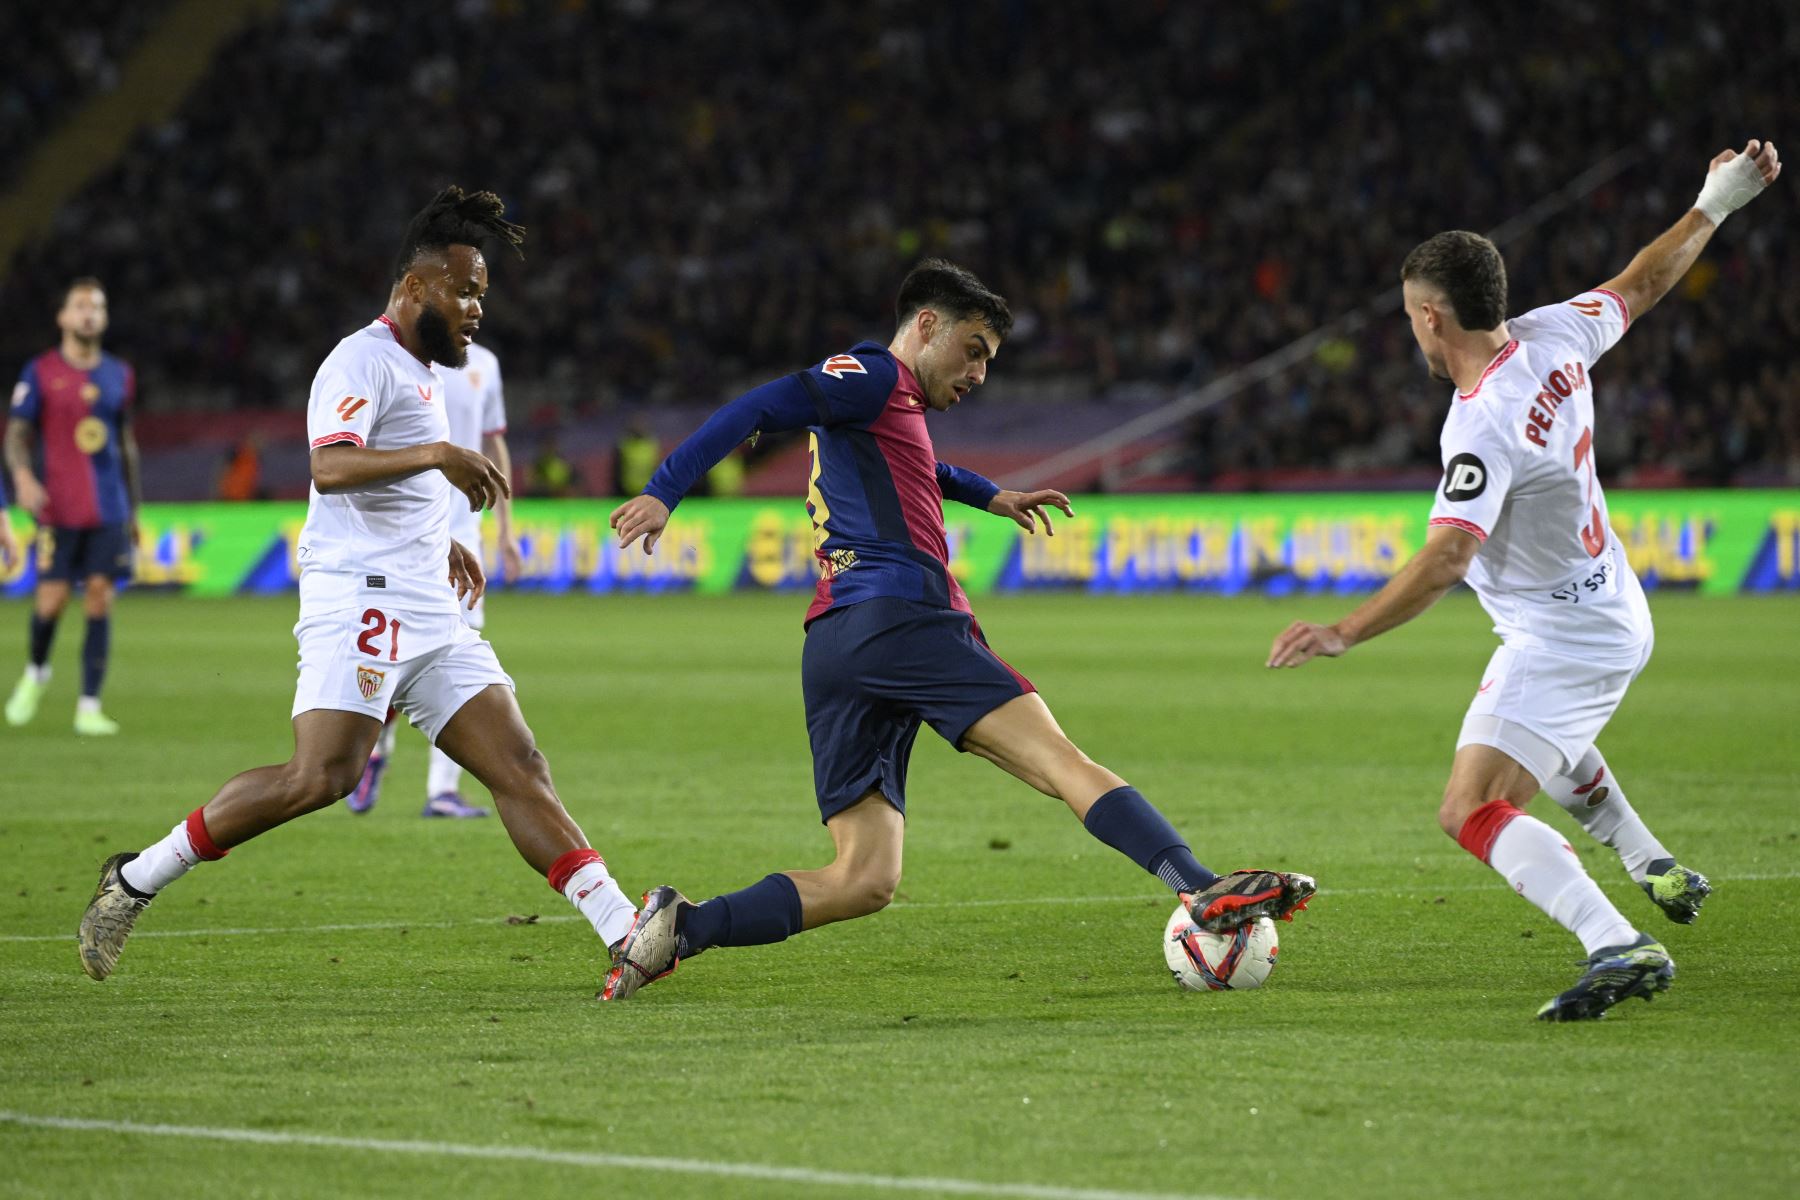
(1465, 477)
(368, 681)
(376, 581)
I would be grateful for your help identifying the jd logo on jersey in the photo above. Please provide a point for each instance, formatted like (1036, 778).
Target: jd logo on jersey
(1465, 477)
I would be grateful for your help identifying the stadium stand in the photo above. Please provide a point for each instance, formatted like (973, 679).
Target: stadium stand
(1165, 191)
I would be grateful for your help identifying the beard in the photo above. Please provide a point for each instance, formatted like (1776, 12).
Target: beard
(437, 341)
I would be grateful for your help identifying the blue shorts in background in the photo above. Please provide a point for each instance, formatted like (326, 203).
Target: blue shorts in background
(72, 555)
(872, 671)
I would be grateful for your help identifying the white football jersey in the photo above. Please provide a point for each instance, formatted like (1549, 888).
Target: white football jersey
(388, 544)
(1519, 473)
(476, 407)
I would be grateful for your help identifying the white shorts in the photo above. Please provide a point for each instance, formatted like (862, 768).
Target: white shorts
(426, 665)
(1543, 709)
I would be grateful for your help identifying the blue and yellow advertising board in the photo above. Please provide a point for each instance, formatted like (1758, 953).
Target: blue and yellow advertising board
(1712, 542)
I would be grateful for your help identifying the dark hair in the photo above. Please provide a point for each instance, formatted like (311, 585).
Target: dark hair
(457, 218)
(940, 284)
(84, 281)
(1466, 267)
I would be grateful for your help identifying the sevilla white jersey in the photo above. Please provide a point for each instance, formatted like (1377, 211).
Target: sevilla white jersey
(476, 408)
(1519, 473)
(387, 544)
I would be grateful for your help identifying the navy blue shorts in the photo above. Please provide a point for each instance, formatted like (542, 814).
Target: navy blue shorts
(72, 555)
(872, 671)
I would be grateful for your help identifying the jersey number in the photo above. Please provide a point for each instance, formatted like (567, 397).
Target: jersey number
(376, 623)
(1593, 534)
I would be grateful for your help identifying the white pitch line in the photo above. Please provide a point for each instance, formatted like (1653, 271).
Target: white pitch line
(576, 1158)
(1004, 902)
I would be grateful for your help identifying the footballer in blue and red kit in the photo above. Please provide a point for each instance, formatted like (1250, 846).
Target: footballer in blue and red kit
(891, 641)
(77, 401)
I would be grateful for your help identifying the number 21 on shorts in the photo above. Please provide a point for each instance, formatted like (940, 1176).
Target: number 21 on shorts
(375, 623)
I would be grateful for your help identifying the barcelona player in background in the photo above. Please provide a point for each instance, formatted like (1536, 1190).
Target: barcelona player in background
(891, 641)
(75, 400)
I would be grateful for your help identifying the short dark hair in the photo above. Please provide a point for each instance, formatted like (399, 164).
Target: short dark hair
(1467, 268)
(457, 218)
(80, 282)
(940, 284)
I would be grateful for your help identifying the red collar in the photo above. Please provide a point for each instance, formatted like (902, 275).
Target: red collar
(395, 330)
(1499, 361)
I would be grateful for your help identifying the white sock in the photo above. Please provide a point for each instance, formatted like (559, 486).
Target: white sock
(1591, 794)
(163, 863)
(443, 775)
(38, 674)
(384, 745)
(1542, 868)
(594, 891)
(88, 704)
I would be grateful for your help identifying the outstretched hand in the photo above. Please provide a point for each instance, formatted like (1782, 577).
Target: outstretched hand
(1028, 508)
(1303, 641)
(1763, 154)
(1734, 180)
(466, 574)
(640, 516)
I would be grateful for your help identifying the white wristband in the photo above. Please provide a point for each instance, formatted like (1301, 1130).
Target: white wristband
(1729, 188)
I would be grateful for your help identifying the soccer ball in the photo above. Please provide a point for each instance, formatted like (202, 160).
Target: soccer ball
(1219, 962)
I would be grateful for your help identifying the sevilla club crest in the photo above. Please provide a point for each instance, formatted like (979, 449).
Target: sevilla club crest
(368, 681)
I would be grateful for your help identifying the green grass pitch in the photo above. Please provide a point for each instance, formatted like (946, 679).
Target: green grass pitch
(1006, 1028)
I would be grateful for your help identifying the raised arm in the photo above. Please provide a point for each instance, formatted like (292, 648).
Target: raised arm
(1732, 181)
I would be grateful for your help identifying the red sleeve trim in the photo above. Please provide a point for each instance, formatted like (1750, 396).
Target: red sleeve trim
(1624, 311)
(500, 432)
(1459, 523)
(344, 436)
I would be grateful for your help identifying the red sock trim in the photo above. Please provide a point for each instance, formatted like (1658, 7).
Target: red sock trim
(1484, 826)
(568, 864)
(202, 841)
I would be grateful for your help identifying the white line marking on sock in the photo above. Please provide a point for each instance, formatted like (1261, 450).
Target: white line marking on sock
(578, 1158)
(1004, 902)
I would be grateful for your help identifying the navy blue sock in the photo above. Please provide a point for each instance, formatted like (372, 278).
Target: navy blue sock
(766, 911)
(1130, 824)
(93, 654)
(43, 632)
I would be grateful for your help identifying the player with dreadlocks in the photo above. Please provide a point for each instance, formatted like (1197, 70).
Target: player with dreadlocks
(381, 582)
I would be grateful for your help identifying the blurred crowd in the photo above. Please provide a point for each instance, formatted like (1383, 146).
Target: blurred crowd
(1165, 190)
(56, 56)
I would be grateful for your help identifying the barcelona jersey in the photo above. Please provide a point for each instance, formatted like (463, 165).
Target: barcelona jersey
(80, 416)
(875, 490)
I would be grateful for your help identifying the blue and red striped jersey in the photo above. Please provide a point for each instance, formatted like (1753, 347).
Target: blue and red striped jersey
(875, 489)
(80, 416)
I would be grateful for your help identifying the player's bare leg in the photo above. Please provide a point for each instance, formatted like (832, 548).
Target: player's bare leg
(1592, 795)
(329, 750)
(96, 647)
(1023, 739)
(868, 836)
(1483, 810)
(864, 872)
(48, 601)
(489, 737)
